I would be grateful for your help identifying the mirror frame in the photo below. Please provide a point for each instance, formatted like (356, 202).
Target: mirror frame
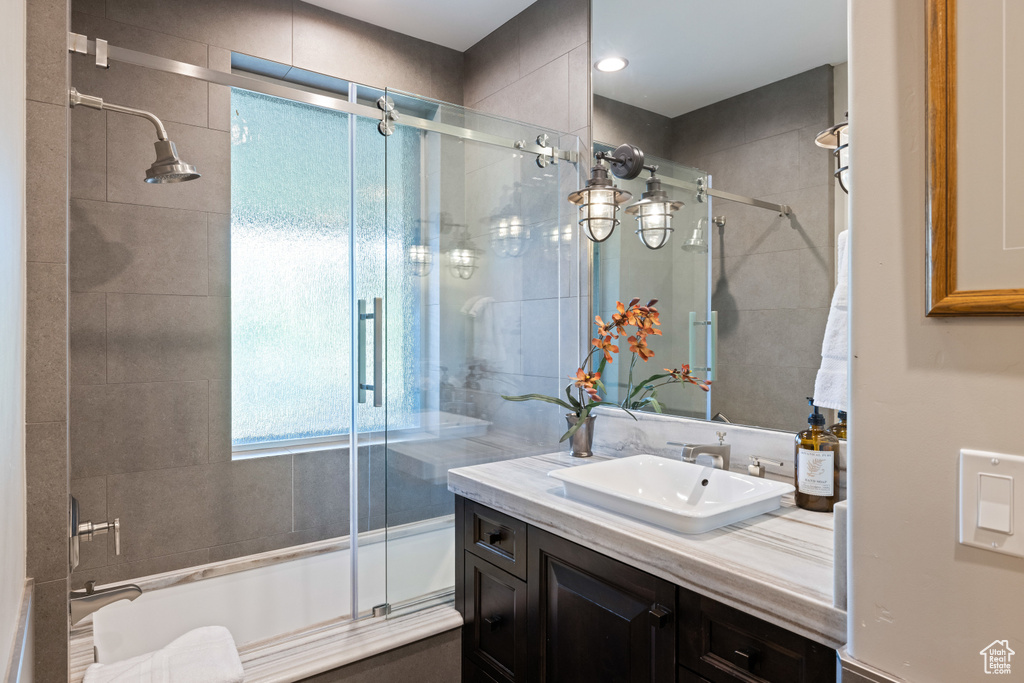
(944, 299)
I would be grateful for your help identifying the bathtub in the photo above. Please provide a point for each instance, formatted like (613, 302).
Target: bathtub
(264, 597)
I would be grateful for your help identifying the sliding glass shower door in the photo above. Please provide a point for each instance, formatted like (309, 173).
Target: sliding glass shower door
(481, 284)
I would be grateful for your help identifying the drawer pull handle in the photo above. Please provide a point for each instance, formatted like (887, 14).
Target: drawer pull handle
(660, 616)
(494, 622)
(493, 537)
(746, 658)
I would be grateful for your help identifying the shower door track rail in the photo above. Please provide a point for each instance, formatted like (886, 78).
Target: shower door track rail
(78, 43)
(701, 189)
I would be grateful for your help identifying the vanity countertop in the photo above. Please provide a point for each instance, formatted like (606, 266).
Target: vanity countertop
(778, 566)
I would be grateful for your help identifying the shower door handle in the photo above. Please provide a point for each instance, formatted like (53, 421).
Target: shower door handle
(378, 351)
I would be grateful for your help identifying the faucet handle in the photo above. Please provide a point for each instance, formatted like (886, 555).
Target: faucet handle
(756, 466)
(721, 438)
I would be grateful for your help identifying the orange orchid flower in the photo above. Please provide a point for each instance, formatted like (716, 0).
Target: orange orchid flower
(604, 329)
(606, 346)
(638, 345)
(683, 375)
(585, 380)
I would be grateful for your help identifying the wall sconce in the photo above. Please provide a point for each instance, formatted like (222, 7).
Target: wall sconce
(510, 237)
(421, 259)
(654, 213)
(599, 200)
(837, 139)
(462, 258)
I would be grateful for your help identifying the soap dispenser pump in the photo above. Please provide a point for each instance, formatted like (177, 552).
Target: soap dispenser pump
(816, 464)
(839, 428)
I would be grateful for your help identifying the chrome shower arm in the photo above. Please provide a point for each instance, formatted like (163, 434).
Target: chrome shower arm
(78, 99)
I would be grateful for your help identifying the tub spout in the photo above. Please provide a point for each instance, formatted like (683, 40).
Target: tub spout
(85, 602)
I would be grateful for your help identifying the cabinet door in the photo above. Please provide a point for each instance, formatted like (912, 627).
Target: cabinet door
(494, 635)
(593, 618)
(725, 645)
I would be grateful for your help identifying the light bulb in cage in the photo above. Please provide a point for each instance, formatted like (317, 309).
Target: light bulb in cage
(510, 237)
(599, 202)
(654, 214)
(421, 259)
(463, 259)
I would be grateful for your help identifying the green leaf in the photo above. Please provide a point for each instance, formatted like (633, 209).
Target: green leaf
(655, 404)
(647, 384)
(541, 397)
(572, 399)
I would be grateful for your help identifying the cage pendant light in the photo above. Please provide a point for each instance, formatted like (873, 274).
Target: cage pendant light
(599, 202)
(654, 214)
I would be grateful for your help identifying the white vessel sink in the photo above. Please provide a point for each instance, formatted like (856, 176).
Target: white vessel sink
(678, 495)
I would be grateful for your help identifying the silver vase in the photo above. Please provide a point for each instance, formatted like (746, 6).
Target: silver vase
(583, 438)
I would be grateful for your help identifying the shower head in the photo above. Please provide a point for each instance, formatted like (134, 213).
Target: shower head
(696, 243)
(167, 168)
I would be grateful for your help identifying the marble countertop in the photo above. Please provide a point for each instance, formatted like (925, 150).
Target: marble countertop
(777, 567)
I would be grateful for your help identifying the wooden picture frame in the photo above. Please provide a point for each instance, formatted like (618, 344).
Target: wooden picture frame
(944, 297)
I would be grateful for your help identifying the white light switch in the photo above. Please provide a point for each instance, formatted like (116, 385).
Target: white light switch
(995, 502)
(988, 501)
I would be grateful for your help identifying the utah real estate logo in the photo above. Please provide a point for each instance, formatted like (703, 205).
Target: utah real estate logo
(997, 657)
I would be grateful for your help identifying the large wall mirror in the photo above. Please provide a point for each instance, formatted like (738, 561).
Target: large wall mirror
(729, 97)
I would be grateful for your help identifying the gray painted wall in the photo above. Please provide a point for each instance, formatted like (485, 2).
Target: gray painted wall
(772, 277)
(12, 324)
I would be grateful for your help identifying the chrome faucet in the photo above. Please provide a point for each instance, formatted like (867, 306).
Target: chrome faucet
(85, 602)
(719, 452)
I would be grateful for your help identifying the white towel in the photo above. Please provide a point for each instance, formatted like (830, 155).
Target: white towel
(830, 386)
(203, 655)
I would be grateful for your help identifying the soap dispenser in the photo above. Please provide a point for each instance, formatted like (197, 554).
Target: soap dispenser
(839, 428)
(817, 464)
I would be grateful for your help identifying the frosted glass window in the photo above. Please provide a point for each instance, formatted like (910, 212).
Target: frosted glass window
(291, 283)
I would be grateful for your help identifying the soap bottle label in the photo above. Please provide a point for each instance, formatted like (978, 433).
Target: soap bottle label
(815, 472)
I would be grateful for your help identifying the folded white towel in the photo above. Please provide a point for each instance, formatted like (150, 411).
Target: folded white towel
(204, 655)
(830, 386)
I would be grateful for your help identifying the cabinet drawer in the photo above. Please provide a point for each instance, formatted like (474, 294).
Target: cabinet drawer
(496, 537)
(494, 634)
(725, 645)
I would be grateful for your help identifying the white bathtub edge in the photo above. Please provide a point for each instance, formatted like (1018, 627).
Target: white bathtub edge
(295, 658)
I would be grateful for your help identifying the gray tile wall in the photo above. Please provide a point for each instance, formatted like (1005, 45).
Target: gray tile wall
(46, 361)
(617, 122)
(772, 276)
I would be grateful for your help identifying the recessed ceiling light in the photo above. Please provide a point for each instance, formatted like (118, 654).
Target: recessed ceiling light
(609, 64)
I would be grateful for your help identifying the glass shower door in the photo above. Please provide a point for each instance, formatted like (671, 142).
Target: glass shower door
(482, 275)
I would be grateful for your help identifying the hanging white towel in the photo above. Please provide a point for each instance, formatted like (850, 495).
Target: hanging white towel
(830, 386)
(204, 655)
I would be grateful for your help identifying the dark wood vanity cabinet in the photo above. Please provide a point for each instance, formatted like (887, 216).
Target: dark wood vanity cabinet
(543, 609)
(592, 618)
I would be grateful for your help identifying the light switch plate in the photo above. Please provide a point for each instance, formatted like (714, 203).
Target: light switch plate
(992, 502)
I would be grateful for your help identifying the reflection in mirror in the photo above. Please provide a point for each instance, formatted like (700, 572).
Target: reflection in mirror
(736, 99)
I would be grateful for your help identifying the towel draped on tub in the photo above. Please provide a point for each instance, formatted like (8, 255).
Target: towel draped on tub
(204, 655)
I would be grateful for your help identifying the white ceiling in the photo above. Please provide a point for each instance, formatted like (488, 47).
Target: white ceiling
(458, 24)
(687, 54)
